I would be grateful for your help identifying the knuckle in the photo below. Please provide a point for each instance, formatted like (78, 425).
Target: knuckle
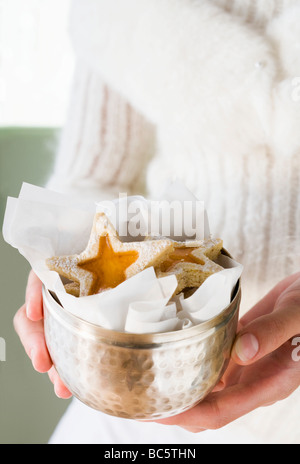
(276, 326)
(290, 298)
(286, 317)
(277, 331)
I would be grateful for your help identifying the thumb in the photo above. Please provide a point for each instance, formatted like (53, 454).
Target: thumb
(268, 332)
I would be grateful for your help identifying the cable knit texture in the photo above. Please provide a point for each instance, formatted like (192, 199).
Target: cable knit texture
(206, 90)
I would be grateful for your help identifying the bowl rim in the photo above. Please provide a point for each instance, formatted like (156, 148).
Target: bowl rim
(114, 337)
(94, 331)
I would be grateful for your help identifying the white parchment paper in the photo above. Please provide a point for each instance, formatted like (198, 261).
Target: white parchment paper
(41, 224)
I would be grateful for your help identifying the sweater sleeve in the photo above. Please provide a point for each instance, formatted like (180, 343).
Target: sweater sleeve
(105, 145)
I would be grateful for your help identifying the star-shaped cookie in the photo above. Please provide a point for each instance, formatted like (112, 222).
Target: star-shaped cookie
(192, 263)
(107, 262)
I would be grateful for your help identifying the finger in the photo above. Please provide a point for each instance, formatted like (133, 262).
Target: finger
(267, 333)
(218, 410)
(222, 408)
(267, 304)
(33, 298)
(265, 386)
(60, 389)
(32, 338)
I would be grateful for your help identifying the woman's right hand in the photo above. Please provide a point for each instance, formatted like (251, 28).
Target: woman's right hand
(29, 325)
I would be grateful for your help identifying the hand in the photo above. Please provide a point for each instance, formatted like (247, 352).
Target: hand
(264, 366)
(29, 325)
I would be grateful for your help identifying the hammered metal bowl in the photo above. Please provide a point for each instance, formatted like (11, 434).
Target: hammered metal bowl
(142, 377)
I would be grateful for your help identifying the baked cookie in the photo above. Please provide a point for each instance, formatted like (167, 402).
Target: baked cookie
(107, 262)
(192, 263)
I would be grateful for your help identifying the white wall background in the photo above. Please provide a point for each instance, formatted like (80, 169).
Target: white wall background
(36, 62)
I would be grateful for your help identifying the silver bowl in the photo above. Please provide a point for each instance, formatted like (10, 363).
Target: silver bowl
(142, 377)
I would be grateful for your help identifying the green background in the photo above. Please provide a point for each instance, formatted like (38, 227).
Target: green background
(29, 409)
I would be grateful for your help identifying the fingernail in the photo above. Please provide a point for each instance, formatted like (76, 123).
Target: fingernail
(246, 347)
(28, 308)
(33, 354)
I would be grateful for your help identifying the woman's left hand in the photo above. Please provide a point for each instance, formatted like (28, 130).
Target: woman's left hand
(264, 366)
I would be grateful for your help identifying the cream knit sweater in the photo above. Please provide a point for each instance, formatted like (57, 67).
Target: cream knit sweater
(209, 92)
